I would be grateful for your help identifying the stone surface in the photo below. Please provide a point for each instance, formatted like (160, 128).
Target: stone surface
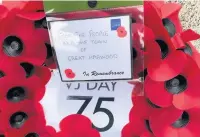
(190, 17)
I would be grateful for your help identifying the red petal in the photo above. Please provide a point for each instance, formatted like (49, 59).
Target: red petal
(155, 91)
(39, 94)
(191, 130)
(152, 15)
(151, 46)
(72, 121)
(169, 9)
(190, 96)
(51, 130)
(93, 133)
(153, 52)
(35, 53)
(11, 68)
(168, 68)
(33, 16)
(189, 35)
(13, 4)
(161, 122)
(172, 14)
(183, 101)
(168, 132)
(28, 27)
(149, 32)
(138, 125)
(177, 41)
(141, 108)
(3, 11)
(33, 6)
(147, 134)
(158, 4)
(127, 131)
(194, 113)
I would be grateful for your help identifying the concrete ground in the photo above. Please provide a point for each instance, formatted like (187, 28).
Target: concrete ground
(190, 16)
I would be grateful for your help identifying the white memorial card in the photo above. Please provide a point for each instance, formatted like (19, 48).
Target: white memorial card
(93, 49)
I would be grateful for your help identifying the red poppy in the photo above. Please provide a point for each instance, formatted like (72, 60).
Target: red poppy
(22, 46)
(179, 91)
(160, 30)
(18, 89)
(165, 16)
(73, 123)
(37, 71)
(179, 38)
(162, 69)
(69, 73)
(163, 61)
(17, 115)
(139, 117)
(121, 32)
(176, 123)
(15, 39)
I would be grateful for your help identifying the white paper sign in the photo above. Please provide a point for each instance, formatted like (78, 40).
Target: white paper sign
(107, 104)
(93, 49)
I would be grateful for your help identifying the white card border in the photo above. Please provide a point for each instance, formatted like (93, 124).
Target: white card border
(55, 56)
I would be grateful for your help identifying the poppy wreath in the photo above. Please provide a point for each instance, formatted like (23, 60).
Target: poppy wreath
(167, 103)
(168, 57)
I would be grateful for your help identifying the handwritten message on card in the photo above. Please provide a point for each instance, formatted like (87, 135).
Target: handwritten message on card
(93, 49)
